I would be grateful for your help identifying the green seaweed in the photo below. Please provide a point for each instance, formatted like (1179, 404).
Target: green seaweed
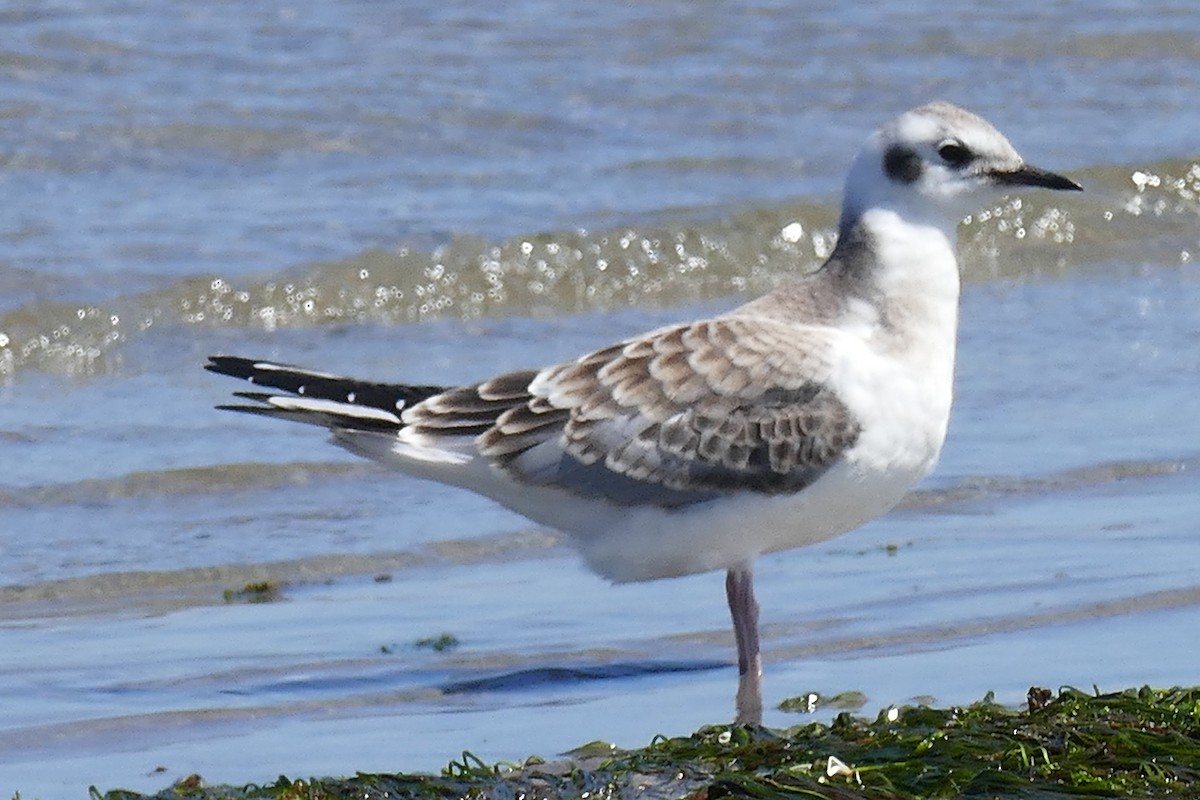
(439, 644)
(1136, 743)
(261, 592)
(811, 701)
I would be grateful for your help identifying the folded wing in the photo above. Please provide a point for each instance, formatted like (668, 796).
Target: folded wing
(699, 410)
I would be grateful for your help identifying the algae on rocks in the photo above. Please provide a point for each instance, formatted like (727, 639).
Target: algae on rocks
(1135, 743)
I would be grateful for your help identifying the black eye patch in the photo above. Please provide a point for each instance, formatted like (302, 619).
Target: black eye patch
(955, 155)
(901, 164)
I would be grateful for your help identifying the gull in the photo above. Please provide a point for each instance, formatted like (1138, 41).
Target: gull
(787, 421)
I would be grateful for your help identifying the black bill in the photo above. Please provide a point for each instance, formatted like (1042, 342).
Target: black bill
(1034, 176)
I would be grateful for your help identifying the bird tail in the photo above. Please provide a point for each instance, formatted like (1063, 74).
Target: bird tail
(317, 398)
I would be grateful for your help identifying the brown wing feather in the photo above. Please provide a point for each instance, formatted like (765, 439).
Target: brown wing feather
(700, 409)
(709, 407)
(472, 410)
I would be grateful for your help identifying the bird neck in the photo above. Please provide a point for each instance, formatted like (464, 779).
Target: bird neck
(904, 275)
(893, 257)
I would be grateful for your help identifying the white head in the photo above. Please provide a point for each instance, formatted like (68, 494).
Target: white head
(934, 165)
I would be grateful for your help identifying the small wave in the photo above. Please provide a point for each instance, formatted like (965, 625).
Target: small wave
(174, 482)
(540, 677)
(1144, 215)
(991, 488)
(159, 591)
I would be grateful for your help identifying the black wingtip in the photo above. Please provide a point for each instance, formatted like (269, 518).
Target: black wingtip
(292, 380)
(233, 366)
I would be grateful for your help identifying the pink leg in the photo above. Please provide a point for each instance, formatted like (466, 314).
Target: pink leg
(739, 588)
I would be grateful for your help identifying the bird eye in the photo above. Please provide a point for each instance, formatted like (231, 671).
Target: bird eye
(955, 154)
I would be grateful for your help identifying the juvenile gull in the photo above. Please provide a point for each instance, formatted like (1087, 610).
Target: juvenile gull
(700, 446)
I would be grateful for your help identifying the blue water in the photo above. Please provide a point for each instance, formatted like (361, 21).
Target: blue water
(437, 192)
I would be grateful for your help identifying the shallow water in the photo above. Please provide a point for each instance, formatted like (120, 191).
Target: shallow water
(443, 192)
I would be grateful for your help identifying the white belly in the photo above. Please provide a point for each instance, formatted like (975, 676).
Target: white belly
(648, 543)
